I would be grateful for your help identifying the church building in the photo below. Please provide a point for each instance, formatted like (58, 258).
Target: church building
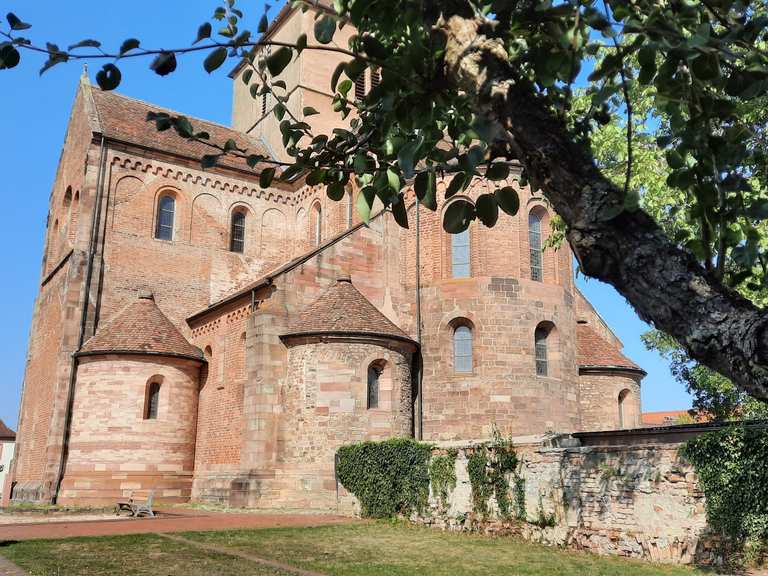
(213, 341)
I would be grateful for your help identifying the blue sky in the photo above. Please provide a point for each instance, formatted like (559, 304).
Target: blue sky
(35, 111)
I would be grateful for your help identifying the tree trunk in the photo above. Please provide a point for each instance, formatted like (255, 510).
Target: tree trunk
(627, 249)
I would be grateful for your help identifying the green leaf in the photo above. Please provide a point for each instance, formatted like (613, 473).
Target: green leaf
(246, 77)
(365, 203)
(278, 61)
(336, 75)
(309, 111)
(301, 43)
(325, 28)
(345, 87)
(164, 63)
(128, 45)
(374, 48)
(674, 159)
(263, 24)
(458, 184)
(209, 160)
(9, 57)
(426, 189)
(508, 200)
(215, 59)
(85, 44)
(497, 171)
(393, 180)
(399, 211)
(458, 216)
(254, 90)
(108, 78)
(487, 209)
(335, 191)
(266, 177)
(253, 159)
(315, 177)
(15, 23)
(203, 32)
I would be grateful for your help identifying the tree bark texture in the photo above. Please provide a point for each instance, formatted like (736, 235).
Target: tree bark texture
(627, 249)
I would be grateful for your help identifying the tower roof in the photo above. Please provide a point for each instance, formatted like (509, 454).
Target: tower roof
(594, 351)
(141, 328)
(343, 310)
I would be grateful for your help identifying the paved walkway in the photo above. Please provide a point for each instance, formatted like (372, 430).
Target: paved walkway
(8, 568)
(166, 521)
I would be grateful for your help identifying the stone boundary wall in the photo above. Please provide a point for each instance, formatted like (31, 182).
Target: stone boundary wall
(633, 501)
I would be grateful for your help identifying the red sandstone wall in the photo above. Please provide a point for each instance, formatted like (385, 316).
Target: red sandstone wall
(113, 448)
(57, 312)
(600, 400)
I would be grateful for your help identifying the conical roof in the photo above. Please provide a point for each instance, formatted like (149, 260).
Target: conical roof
(141, 327)
(343, 310)
(594, 351)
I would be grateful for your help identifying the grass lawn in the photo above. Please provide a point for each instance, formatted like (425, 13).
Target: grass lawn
(375, 548)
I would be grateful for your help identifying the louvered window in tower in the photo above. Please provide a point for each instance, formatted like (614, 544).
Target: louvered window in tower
(360, 86)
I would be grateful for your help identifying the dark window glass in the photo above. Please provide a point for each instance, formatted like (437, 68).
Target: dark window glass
(153, 400)
(237, 233)
(534, 240)
(166, 209)
(541, 351)
(462, 349)
(460, 255)
(318, 231)
(374, 372)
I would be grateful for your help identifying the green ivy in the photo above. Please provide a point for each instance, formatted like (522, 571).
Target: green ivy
(732, 466)
(388, 478)
(442, 475)
(488, 466)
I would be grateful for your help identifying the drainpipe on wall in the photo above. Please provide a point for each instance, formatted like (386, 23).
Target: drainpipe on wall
(92, 243)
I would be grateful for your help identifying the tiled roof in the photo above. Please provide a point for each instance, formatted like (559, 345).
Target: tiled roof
(125, 119)
(594, 351)
(669, 417)
(141, 327)
(342, 309)
(6, 433)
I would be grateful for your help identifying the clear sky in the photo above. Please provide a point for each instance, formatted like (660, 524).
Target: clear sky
(34, 113)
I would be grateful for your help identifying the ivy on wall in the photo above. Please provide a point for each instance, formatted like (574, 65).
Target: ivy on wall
(488, 466)
(388, 478)
(732, 466)
(442, 475)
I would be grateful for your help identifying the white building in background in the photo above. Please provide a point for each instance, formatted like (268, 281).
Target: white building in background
(7, 445)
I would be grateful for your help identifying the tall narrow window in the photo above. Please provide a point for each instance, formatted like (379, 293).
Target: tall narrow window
(540, 345)
(462, 349)
(622, 404)
(166, 210)
(534, 241)
(153, 401)
(349, 208)
(360, 86)
(374, 373)
(317, 224)
(460, 255)
(237, 232)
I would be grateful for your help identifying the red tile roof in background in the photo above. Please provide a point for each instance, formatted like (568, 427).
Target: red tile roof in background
(6, 433)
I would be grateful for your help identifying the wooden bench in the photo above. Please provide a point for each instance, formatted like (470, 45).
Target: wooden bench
(139, 503)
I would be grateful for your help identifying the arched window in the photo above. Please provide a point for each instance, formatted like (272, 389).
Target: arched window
(153, 401)
(623, 395)
(540, 348)
(462, 348)
(374, 374)
(460, 260)
(349, 208)
(68, 198)
(534, 242)
(166, 209)
(317, 224)
(237, 232)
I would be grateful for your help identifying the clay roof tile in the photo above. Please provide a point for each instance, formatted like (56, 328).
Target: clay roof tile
(342, 309)
(595, 351)
(6, 433)
(141, 327)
